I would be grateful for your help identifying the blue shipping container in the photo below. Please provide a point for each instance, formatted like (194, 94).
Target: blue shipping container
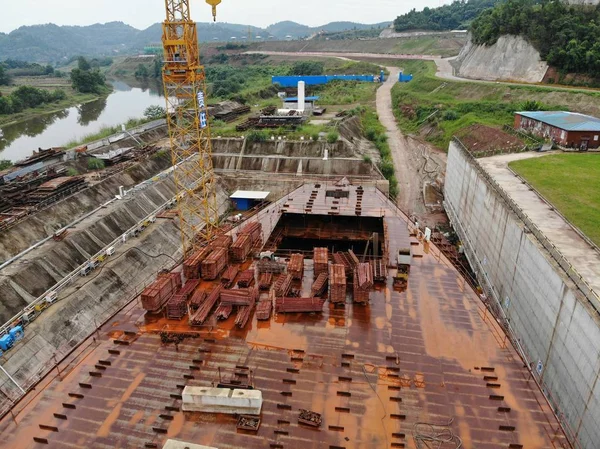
(314, 80)
(16, 332)
(6, 342)
(404, 78)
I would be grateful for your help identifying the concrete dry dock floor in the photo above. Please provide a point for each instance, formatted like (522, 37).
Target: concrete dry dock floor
(430, 354)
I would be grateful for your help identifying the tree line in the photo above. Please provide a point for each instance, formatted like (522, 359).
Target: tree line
(28, 97)
(456, 15)
(567, 37)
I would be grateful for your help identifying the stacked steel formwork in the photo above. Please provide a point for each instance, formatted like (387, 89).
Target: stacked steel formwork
(156, 295)
(223, 311)
(197, 299)
(245, 278)
(239, 297)
(243, 314)
(254, 230)
(363, 283)
(299, 305)
(296, 267)
(191, 265)
(204, 310)
(223, 241)
(241, 248)
(283, 284)
(213, 264)
(348, 260)
(321, 260)
(320, 285)
(337, 283)
(263, 310)
(228, 277)
(265, 280)
(177, 307)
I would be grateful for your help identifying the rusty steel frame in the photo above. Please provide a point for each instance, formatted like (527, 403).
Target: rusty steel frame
(189, 131)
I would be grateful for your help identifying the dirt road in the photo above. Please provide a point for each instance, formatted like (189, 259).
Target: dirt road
(409, 195)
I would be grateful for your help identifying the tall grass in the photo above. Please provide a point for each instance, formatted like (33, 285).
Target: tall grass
(104, 132)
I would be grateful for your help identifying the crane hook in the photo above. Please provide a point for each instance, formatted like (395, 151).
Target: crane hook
(214, 4)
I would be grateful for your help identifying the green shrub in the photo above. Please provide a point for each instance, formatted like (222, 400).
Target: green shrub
(387, 168)
(315, 137)
(450, 115)
(257, 136)
(332, 137)
(72, 172)
(371, 134)
(367, 159)
(95, 164)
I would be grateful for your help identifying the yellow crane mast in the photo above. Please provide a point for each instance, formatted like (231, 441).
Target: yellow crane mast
(189, 131)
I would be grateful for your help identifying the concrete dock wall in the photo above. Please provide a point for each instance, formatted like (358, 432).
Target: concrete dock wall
(557, 328)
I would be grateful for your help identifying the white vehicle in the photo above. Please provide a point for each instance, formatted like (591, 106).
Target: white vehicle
(110, 251)
(29, 316)
(152, 219)
(86, 270)
(51, 297)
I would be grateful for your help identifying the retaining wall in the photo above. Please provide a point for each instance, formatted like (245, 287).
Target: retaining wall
(553, 322)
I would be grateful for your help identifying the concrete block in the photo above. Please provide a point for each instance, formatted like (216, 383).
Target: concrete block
(221, 400)
(175, 444)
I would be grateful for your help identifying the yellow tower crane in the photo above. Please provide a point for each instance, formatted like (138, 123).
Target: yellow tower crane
(189, 131)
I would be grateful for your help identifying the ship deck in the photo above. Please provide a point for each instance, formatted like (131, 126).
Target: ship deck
(429, 354)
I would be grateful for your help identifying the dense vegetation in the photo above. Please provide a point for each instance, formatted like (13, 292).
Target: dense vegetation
(458, 14)
(87, 80)
(568, 37)
(376, 133)
(4, 77)
(28, 97)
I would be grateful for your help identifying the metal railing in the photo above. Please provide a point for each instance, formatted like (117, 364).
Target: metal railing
(583, 286)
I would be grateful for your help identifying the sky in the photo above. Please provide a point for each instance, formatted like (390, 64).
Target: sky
(143, 13)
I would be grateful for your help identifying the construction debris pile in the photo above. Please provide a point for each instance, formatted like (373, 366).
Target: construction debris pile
(268, 119)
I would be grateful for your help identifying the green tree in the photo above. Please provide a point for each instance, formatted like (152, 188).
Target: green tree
(5, 106)
(157, 67)
(142, 72)
(155, 112)
(332, 137)
(87, 81)
(5, 163)
(83, 64)
(306, 68)
(4, 77)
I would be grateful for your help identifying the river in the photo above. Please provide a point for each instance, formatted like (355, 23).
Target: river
(55, 129)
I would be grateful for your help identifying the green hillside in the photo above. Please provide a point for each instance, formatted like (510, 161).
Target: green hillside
(567, 37)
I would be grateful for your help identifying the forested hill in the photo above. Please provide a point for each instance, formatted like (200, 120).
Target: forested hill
(51, 43)
(457, 15)
(567, 37)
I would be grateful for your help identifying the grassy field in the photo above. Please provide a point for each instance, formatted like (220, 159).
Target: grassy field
(437, 109)
(570, 183)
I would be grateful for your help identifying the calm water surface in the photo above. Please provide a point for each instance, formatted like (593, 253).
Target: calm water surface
(56, 129)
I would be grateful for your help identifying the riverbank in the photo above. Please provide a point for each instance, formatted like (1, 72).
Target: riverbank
(49, 108)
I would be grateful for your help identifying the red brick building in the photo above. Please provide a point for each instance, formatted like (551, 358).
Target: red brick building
(568, 129)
